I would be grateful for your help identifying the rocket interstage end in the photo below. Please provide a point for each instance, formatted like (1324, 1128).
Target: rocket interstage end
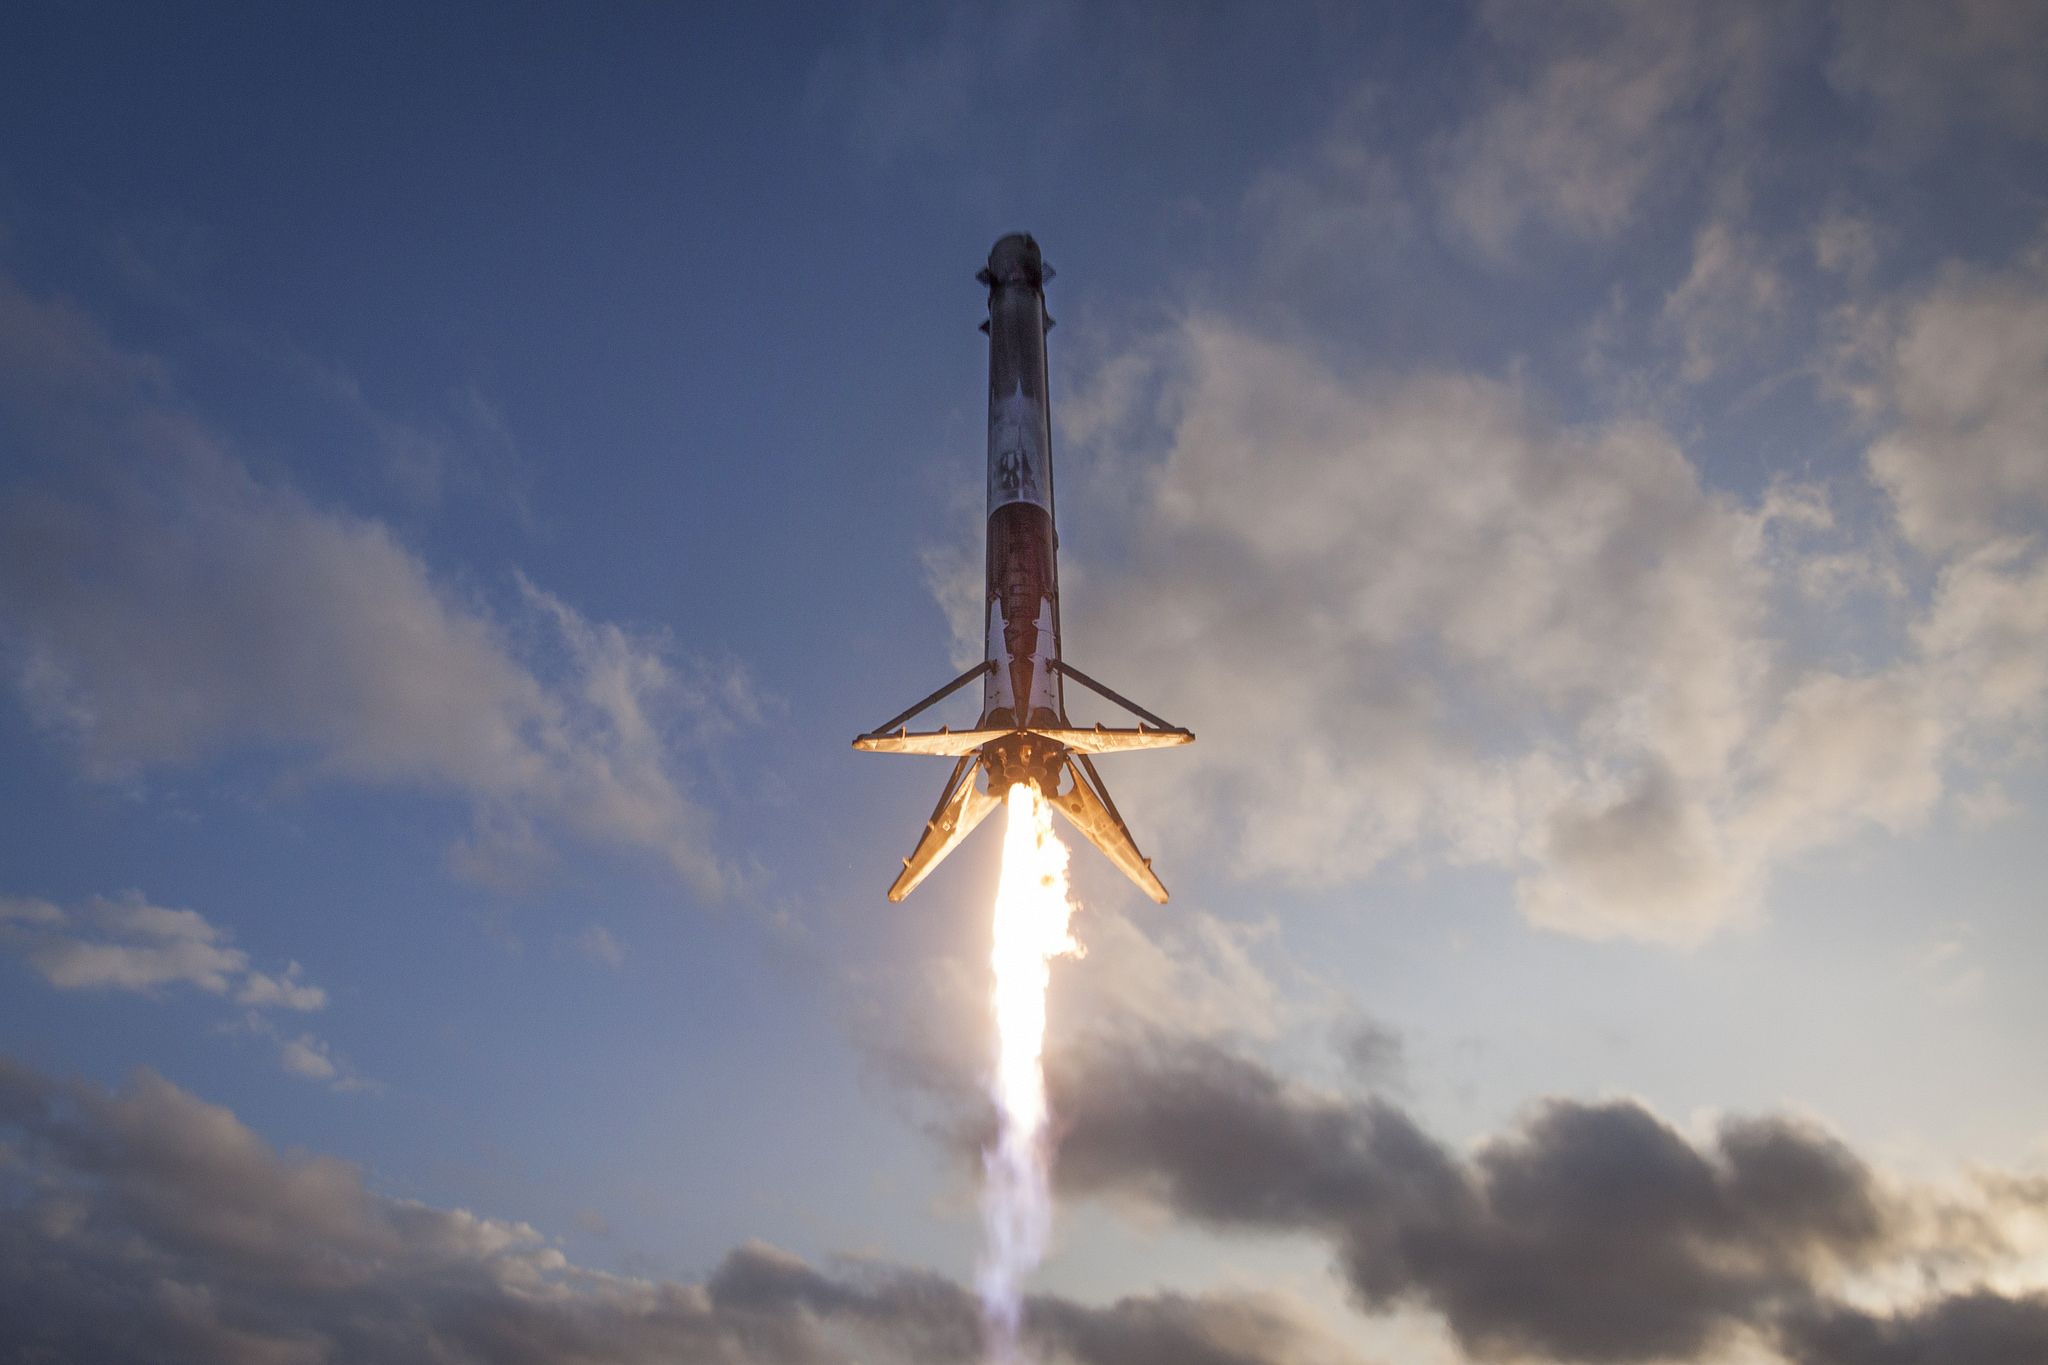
(1023, 734)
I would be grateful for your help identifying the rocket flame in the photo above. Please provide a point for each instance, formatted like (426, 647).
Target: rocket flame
(1032, 910)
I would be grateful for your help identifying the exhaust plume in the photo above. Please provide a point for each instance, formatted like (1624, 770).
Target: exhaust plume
(1031, 916)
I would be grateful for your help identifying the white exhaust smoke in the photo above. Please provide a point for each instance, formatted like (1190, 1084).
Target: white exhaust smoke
(1031, 917)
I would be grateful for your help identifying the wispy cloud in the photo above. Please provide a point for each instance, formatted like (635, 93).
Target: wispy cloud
(1731, 298)
(596, 944)
(125, 943)
(163, 606)
(1928, 66)
(310, 1058)
(1597, 107)
(284, 989)
(305, 1055)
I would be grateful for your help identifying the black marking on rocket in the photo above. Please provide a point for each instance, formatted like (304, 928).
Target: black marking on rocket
(1023, 734)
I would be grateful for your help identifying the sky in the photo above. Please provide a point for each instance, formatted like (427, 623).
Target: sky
(1580, 469)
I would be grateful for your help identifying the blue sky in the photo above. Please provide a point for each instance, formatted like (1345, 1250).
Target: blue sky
(1580, 469)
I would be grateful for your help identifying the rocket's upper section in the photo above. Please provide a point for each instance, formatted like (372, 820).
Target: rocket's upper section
(1014, 260)
(1019, 412)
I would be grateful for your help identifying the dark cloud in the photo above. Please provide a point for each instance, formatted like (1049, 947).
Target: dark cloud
(1172, 1329)
(144, 1225)
(1592, 1232)
(1969, 1329)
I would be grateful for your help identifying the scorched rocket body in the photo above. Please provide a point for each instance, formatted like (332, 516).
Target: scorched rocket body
(1023, 734)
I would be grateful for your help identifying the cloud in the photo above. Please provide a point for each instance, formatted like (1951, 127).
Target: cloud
(1965, 375)
(1985, 632)
(1591, 1232)
(1727, 300)
(162, 607)
(1181, 1329)
(1183, 971)
(307, 1056)
(1968, 1329)
(906, 88)
(286, 989)
(26, 910)
(1373, 1052)
(144, 1224)
(1845, 244)
(1340, 208)
(311, 1059)
(1419, 615)
(1597, 107)
(141, 947)
(922, 1019)
(1928, 65)
(596, 944)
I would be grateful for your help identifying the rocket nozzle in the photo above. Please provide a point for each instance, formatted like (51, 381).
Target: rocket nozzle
(1027, 758)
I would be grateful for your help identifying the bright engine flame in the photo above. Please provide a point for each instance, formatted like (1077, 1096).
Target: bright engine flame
(1030, 930)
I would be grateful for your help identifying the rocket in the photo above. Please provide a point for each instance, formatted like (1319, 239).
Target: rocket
(1023, 734)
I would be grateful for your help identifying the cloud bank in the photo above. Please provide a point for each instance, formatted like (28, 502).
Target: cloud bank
(145, 1225)
(1421, 613)
(1592, 1232)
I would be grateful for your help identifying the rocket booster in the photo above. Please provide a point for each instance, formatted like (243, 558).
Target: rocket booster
(1023, 734)
(1023, 601)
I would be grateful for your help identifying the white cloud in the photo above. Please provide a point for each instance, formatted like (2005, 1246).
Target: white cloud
(311, 1059)
(285, 989)
(1846, 244)
(1182, 972)
(1415, 615)
(1931, 64)
(1965, 371)
(163, 606)
(307, 1056)
(29, 910)
(1727, 300)
(1600, 106)
(136, 946)
(1986, 638)
(1337, 581)
(596, 944)
(1343, 207)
